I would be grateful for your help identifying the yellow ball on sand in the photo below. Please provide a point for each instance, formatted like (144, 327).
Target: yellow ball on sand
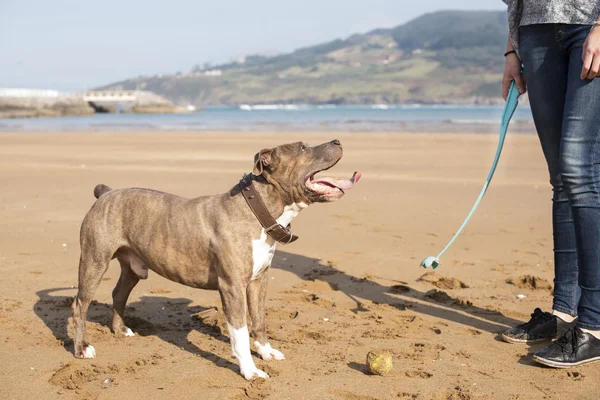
(379, 362)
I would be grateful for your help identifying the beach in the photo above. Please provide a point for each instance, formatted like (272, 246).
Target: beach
(350, 284)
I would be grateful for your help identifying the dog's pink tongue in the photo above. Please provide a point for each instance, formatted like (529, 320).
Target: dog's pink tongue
(343, 184)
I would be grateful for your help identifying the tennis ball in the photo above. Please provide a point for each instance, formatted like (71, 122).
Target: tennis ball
(379, 362)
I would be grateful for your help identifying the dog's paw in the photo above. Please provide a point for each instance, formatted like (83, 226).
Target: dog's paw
(122, 330)
(274, 355)
(88, 352)
(254, 373)
(268, 353)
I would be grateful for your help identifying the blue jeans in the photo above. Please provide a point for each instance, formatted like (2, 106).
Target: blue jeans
(566, 112)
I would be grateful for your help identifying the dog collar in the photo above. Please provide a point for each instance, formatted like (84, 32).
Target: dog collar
(279, 233)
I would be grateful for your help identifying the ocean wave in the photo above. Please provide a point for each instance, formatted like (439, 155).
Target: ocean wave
(272, 107)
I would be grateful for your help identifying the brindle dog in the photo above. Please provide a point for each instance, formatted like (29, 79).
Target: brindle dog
(210, 242)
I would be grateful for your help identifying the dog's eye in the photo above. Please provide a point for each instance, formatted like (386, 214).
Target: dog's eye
(303, 148)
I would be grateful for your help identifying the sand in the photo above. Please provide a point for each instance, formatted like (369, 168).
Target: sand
(350, 284)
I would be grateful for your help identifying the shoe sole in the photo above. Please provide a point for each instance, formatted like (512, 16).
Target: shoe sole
(522, 341)
(557, 364)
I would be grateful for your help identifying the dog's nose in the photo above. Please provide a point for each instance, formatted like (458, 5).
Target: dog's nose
(336, 142)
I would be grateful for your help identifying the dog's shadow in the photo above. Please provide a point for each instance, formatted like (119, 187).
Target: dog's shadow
(437, 304)
(170, 319)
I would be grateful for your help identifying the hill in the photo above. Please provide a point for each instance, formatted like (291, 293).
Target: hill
(446, 56)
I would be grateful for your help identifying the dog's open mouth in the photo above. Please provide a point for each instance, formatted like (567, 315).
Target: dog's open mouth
(328, 186)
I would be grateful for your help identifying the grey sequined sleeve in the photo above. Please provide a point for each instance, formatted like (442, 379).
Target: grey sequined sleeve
(533, 12)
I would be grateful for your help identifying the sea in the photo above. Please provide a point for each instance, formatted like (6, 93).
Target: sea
(284, 118)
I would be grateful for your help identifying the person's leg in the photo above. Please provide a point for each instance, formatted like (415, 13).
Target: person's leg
(580, 173)
(546, 69)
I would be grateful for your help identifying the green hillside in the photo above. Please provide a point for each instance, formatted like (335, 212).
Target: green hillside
(447, 56)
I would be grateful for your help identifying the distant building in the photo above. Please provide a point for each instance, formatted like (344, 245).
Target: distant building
(23, 93)
(213, 72)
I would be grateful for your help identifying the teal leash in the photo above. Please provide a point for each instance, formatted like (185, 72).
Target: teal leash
(512, 101)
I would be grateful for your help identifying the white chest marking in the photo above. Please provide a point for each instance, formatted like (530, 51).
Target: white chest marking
(263, 248)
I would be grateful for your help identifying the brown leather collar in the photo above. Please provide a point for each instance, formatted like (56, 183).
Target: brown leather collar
(279, 233)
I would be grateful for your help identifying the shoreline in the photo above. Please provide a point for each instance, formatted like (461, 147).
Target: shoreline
(516, 128)
(240, 133)
(355, 120)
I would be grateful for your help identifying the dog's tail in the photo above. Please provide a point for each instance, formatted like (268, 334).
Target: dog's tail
(99, 190)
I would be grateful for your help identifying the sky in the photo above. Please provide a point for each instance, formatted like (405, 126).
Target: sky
(72, 45)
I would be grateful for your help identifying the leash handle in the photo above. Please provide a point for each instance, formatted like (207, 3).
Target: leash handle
(512, 101)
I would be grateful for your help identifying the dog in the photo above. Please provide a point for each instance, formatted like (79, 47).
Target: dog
(215, 242)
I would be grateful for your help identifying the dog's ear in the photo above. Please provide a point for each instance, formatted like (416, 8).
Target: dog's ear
(262, 159)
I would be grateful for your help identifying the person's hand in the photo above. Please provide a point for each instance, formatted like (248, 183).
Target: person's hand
(591, 55)
(512, 72)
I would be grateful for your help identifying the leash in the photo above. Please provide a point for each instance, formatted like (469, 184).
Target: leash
(512, 101)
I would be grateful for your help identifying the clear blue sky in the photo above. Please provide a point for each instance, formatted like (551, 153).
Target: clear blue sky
(78, 44)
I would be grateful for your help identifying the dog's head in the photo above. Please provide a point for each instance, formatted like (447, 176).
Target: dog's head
(292, 169)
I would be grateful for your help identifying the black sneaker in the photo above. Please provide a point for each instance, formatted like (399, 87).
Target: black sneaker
(574, 348)
(541, 327)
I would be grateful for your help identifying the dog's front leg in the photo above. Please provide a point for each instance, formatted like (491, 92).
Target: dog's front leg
(257, 295)
(233, 296)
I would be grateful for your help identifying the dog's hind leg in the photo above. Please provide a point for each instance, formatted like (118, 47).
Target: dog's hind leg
(233, 296)
(120, 294)
(90, 274)
(257, 294)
